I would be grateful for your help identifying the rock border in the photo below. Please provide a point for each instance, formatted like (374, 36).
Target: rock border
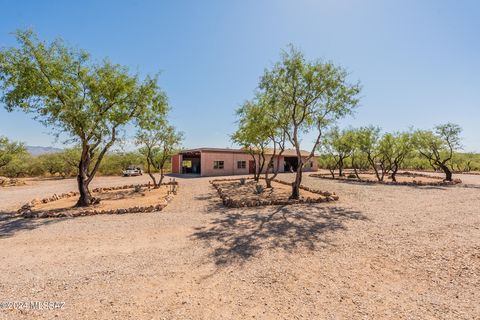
(231, 203)
(27, 210)
(6, 182)
(393, 183)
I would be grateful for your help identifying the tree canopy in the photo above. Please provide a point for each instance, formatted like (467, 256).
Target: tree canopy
(439, 145)
(158, 143)
(9, 150)
(65, 90)
(307, 96)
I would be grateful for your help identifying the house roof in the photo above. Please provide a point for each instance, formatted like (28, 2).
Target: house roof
(286, 152)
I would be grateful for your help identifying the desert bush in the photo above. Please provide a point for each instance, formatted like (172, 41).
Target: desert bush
(259, 189)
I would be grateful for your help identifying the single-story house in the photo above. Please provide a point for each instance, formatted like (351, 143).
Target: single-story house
(223, 162)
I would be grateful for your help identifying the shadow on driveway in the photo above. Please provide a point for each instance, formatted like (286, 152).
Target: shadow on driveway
(9, 225)
(240, 234)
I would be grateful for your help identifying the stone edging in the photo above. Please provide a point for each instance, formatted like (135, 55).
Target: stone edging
(404, 183)
(229, 202)
(27, 210)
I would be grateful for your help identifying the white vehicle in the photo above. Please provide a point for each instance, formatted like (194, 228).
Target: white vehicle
(132, 171)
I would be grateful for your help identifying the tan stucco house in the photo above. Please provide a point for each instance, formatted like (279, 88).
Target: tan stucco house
(224, 162)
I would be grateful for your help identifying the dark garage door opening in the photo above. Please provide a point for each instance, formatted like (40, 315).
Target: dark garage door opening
(291, 164)
(191, 163)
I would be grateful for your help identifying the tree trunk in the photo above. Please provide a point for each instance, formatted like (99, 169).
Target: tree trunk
(394, 173)
(372, 163)
(261, 165)
(341, 166)
(161, 176)
(448, 173)
(268, 182)
(297, 183)
(149, 171)
(383, 170)
(255, 176)
(332, 172)
(85, 197)
(275, 168)
(354, 166)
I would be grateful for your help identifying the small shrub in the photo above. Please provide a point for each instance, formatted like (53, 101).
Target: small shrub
(137, 188)
(242, 181)
(352, 176)
(259, 189)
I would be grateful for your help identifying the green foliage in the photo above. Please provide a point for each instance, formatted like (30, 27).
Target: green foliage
(20, 166)
(10, 150)
(338, 145)
(257, 129)
(306, 96)
(65, 90)
(327, 161)
(253, 127)
(465, 162)
(62, 163)
(438, 146)
(259, 189)
(159, 141)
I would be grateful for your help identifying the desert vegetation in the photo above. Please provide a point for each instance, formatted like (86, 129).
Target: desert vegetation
(239, 193)
(236, 247)
(294, 97)
(365, 148)
(86, 102)
(63, 164)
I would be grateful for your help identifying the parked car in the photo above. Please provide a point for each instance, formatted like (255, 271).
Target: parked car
(132, 171)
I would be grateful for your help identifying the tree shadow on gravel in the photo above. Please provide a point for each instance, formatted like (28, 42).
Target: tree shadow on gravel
(9, 225)
(470, 186)
(240, 234)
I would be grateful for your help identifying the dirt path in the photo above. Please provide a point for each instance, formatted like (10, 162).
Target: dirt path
(380, 252)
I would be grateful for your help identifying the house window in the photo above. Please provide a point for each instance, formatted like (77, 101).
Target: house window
(218, 164)
(241, 164)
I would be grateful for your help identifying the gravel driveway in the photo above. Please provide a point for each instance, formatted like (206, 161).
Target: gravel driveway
(392, 252)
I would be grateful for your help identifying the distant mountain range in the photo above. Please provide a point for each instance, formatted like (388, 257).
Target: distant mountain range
(37, 150)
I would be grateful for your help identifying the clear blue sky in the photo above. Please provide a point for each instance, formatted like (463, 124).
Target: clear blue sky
(418, 61)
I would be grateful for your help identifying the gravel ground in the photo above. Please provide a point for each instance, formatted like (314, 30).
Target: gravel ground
(391, 252)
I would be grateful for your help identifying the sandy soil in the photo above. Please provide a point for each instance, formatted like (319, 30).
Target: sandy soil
(11, 198)
(114, 199)
(279, 191)
(389, 252)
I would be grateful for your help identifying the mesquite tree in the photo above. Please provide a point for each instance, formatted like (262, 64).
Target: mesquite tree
(338, 144)
(9, 150)
(369, 143)
(253, 134)
(438, 146)
(260, 129)
(311, 95)
(159, 142)
(396, 147)
(85, 101)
